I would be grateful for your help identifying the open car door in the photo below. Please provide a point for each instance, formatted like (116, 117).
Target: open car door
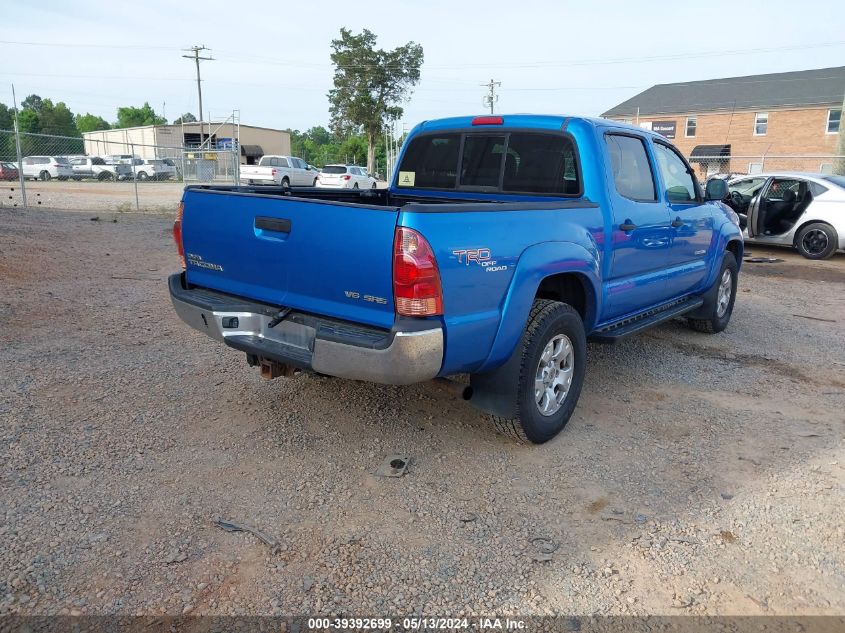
(755, 222)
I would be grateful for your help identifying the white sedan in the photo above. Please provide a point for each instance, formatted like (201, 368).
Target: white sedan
(801, 210)
(345, 177)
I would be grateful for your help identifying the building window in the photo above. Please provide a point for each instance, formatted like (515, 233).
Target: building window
(826, 168)
(761, 123)
(755, 168)
(833, 119)
(692, 122)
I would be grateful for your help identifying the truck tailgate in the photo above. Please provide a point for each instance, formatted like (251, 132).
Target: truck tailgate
(328, 258)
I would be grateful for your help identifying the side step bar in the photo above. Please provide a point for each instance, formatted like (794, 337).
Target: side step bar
(643, 321)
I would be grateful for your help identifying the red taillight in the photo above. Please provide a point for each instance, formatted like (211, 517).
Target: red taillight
(416, 279)
(488, 120)
(347, 177)
(177, 234)
(273, 171)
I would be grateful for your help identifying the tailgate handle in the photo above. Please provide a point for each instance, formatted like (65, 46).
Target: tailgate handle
(280, 225)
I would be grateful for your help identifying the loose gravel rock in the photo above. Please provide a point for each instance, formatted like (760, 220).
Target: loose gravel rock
(700, 474)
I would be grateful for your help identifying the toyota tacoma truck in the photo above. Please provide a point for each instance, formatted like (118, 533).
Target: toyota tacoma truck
(501, 245)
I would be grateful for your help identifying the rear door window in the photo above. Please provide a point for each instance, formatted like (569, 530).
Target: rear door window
(631, 168)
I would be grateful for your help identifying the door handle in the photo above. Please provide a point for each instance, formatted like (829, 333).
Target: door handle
(627, 226)
(677, 222)
(281, 225)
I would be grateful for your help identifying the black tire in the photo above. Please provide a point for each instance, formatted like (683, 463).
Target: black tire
(817, 241)
(44, 176)
(375, 186)
(355, 186)
(142, 175)
(104, 175)
(714, 315)
(547, 320)
(314, 184)
(285, 183)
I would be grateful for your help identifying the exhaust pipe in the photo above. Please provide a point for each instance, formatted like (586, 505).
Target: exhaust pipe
(457, 389)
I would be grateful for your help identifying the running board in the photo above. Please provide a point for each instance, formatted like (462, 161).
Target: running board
(643, 321)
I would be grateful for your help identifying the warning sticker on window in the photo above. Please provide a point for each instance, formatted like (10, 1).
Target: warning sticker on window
(406, 178)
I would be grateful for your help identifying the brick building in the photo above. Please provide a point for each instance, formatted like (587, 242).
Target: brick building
(747, 124)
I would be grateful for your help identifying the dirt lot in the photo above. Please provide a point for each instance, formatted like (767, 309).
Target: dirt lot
(699, 474)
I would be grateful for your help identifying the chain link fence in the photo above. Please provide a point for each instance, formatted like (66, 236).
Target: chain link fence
(730, 166)
(67, 172)
(93, 174)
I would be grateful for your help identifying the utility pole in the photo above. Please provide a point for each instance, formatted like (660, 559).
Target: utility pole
(839, 168)
(18, 147)
(195, 50)
(492, 98)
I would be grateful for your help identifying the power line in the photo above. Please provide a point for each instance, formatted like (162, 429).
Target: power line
(196, 57)
(492, 98)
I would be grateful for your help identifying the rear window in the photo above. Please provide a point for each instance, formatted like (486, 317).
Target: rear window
(431, 162)
(524, 162)
(61, 160)
(334, 169)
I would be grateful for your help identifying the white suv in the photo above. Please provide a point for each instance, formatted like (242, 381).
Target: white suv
(46, 167)
(345, 177)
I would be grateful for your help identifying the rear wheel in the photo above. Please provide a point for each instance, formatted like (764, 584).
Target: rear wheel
(551, 373)
(355, 186)
(817, 241)
(142, 175)
(44, 175)
(719, 300)
(285, 182)
(374, 185)
(104, 175)
(314, 184)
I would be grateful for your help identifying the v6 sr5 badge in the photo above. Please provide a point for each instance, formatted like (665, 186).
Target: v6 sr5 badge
(480, 256)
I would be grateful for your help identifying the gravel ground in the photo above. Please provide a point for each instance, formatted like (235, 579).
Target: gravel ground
(700, 474)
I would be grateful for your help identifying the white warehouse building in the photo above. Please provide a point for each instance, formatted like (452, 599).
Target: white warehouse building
(167, 141)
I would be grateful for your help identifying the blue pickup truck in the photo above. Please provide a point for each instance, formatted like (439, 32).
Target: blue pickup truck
(502, 244)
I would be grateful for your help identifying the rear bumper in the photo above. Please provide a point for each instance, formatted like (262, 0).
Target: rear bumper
(411, 352)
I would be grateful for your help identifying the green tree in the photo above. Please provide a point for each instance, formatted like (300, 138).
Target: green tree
(90, 123)
(32, 102)
(185, 118)
(131, 116)
(29, 121)
(57, 119)
(6, 117)
(369, 85)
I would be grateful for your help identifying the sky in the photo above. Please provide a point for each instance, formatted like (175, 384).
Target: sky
(271, 58)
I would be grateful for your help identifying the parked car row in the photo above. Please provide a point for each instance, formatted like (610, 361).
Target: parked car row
(109, 167)
(290, 171)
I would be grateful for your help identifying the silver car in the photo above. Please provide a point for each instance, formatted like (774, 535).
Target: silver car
(801, 210)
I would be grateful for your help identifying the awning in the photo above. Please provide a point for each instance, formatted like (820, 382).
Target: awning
(705, 152)
(253, 151)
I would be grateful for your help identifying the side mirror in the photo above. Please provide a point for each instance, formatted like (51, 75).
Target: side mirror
(717, 189)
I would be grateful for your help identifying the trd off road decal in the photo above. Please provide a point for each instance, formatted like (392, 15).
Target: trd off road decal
(480, 256)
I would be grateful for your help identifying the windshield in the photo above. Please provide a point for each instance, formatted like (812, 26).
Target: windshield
(334, 169)
(836, 180)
